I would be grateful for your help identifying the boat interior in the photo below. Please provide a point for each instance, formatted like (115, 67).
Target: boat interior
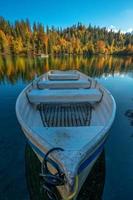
(68, 105)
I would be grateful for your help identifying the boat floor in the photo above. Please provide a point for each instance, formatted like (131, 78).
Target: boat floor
(65, 115)
(69, 138)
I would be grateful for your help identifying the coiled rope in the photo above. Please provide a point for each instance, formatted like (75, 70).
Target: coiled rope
(50, 180)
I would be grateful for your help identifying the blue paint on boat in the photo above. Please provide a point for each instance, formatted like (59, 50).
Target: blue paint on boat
(91, 158)
(83, 165)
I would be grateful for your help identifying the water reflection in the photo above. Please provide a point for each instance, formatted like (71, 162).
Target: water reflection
(25, 68)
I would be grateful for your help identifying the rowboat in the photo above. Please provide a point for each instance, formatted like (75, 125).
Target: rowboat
(65, 116)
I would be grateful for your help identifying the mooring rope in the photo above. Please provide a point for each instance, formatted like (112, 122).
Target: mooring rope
(53, 180)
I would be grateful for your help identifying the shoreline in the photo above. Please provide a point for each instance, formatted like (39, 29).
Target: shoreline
(119, 54)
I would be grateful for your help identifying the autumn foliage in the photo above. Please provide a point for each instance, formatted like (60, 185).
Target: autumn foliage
(22, 38)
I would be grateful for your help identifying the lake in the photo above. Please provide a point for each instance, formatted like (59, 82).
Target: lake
(115, 73)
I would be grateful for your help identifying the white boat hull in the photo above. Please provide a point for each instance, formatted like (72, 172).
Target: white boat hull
(84, 168)
(82, 141)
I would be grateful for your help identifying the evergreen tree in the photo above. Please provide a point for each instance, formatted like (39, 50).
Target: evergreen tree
(21, 37)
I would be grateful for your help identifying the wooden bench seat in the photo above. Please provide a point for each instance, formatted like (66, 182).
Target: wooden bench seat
(65, 84)
(65, 76)
(64, 96)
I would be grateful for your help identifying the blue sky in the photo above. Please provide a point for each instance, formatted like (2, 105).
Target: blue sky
(118, 13)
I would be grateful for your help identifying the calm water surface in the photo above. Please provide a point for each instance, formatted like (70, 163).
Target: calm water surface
(116, 74)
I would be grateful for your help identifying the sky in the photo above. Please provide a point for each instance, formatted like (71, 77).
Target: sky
(117, 14)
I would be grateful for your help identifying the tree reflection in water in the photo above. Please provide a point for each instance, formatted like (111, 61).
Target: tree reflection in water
(17, 68)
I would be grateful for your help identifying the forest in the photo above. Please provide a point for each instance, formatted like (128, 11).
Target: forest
(23, 38)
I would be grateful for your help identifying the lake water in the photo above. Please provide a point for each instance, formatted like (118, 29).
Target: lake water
(115, 73)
